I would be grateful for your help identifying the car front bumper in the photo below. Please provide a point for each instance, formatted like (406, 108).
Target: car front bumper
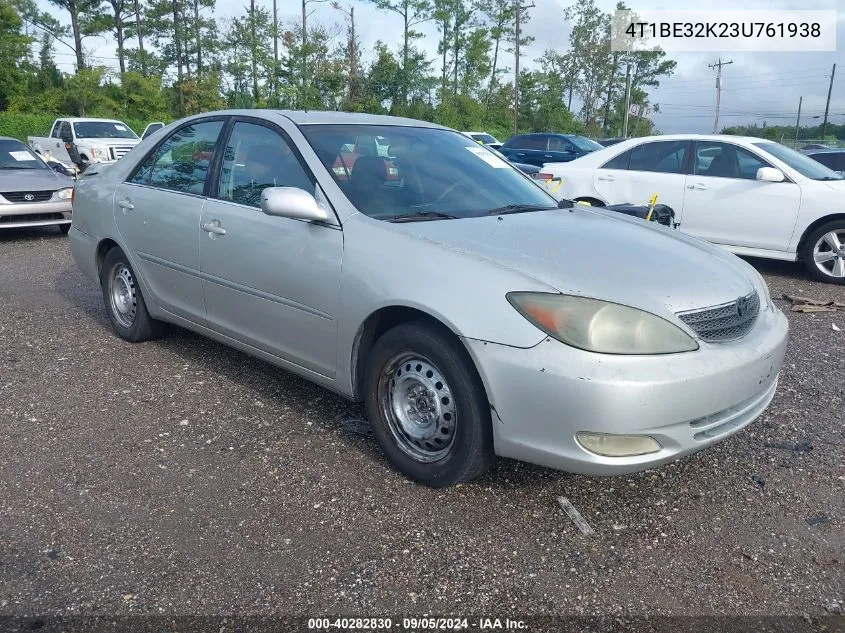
(27, 214)
(542, 396)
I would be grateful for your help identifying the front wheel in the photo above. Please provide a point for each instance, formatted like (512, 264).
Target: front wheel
(427, 406)
(824, 253)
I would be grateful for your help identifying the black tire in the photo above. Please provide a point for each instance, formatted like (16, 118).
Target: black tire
(470, 449)
(141, 327)
(64, 228)
(808, 257)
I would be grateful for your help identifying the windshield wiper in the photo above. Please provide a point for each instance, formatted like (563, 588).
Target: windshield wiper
(518, 208)
(422, 216)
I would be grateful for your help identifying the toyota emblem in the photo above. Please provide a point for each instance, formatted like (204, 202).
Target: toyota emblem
(742, 307)
(29, 197)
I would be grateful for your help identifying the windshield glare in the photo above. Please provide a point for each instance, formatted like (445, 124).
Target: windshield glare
(804, 165)
(16, 155)
(423, 171)
(103, 129)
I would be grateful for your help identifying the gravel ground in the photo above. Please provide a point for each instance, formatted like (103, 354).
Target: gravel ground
(182, 477)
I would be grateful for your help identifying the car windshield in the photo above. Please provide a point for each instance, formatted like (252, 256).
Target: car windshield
(103, 129)
(804, 165)
(16, 155)
(427, 173)
(588, 145)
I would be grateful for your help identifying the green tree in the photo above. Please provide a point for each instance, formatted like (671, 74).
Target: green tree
(14, 51)
(413, 13)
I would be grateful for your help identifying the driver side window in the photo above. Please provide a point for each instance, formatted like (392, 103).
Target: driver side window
(255, 158)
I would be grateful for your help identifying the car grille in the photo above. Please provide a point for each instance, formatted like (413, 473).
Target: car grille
(119, 151)
(21, 196)
(724, 322)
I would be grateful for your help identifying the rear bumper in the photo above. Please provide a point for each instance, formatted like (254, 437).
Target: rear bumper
(35, 214)
(544, 395)
(83, 249)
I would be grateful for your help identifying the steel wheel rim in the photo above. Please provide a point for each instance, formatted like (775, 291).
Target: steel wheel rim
(122, 295)
(419, 407)
(829, 253)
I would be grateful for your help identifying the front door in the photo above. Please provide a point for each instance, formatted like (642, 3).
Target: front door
(724, 202)
(270, 282)
(637, 174)
(157, 211)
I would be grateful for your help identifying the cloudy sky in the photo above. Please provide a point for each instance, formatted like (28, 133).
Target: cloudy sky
(757, 87)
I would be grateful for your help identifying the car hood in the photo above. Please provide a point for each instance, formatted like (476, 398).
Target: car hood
(32, 180)
(836, 185)
(600, 254)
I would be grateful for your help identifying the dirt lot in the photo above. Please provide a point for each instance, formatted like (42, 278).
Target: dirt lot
(181, 477)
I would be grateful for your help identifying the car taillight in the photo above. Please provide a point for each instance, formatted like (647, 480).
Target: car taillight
(543, 176)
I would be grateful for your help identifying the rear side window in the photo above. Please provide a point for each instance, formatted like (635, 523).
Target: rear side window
(667, 157)
(619, 162)
(56, 126)
(182, 161)
(527, 142)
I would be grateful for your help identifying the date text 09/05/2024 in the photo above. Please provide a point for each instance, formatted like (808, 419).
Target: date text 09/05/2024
(415, 624)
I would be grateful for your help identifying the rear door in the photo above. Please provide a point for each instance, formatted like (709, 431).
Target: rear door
(158, 210)
(270, 282)
(654, 167)
(726, 204)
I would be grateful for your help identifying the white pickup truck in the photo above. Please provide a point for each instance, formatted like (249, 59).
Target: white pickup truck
(85, 141)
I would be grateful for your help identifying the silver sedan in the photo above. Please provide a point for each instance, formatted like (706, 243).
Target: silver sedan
(401, 264)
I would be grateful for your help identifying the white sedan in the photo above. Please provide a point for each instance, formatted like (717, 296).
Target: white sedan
(751, 196)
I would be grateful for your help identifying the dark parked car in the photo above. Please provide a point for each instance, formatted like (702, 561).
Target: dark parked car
(832, 158)
(530, 170)
(538, 149)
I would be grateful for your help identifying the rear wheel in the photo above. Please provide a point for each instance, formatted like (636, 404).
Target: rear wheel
(427, 406)
(124, 300)
(823, 253)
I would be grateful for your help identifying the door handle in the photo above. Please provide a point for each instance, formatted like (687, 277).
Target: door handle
(125, 204)
(547, 156)
(214, 228)
(697, 186)
(606, 177)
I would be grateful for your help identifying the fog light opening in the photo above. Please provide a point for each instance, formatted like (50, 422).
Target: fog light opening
(611, 445)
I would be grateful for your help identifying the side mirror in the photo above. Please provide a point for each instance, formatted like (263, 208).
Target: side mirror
(292, 202)
(770, 174)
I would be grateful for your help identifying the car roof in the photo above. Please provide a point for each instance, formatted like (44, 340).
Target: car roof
(11, 138)
(320, 117)
(826, 150)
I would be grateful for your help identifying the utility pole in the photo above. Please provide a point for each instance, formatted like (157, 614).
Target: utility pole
(627, 99)
(827, 105)
(798, 121)
(718, 67)
(519, 8)
(275, 53)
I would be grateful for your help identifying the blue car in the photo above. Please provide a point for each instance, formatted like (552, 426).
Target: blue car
(538, 149)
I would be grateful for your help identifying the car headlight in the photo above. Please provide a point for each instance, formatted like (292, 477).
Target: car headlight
(601, 326)
(764, 288)
(65, 194)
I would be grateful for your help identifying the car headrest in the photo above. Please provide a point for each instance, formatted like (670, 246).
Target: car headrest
(369, 170)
